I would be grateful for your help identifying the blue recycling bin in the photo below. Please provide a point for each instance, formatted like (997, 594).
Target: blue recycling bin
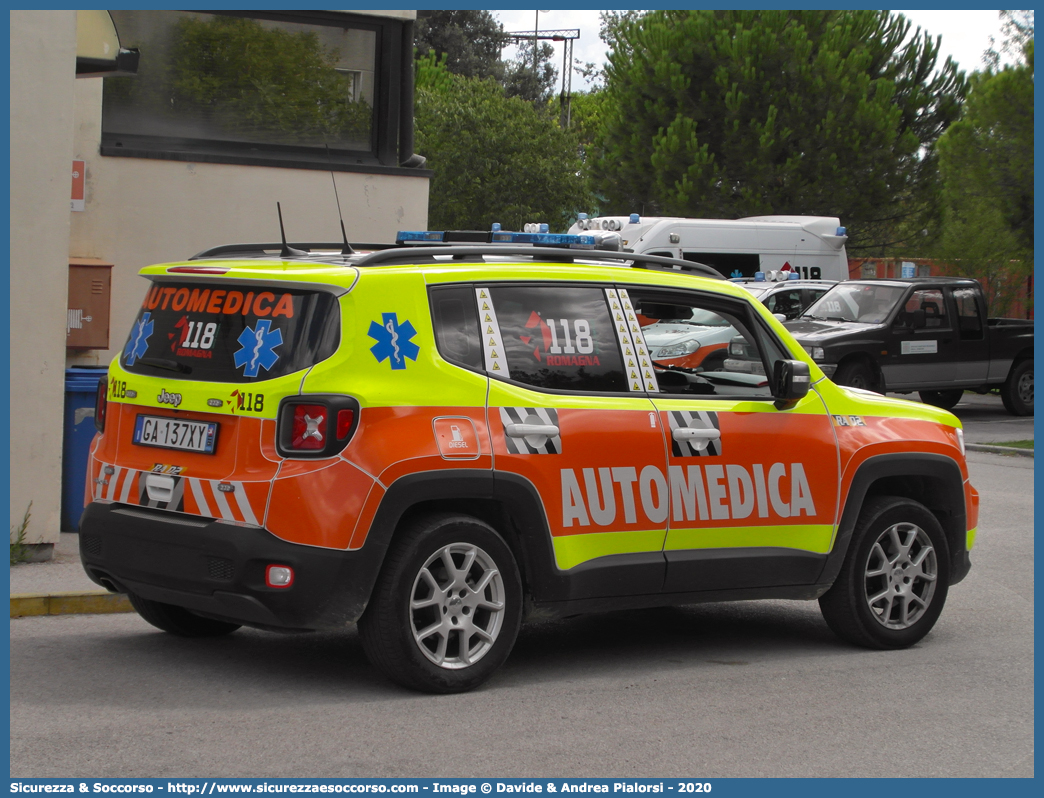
(81, 387)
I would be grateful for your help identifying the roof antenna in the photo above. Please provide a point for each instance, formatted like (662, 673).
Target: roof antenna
(287, 251)
(347, 249)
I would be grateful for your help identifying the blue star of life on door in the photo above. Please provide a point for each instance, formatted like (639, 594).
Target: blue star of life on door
(139, 340)
(393, 341)
(258, 345)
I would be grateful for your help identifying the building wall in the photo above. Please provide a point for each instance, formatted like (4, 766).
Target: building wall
(140, 211)
(43, 62)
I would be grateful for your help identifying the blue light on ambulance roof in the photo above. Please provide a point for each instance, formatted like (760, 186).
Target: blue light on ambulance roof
(496, 227)
(545, 239)
(794, 276)
(759, 277)
(841, 231)
(635, 218)
(581, 216)
(419, 235)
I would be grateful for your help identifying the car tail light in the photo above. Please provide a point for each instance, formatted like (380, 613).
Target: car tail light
(309, 429)
(315, 425)
(345, 420)
(101, 404)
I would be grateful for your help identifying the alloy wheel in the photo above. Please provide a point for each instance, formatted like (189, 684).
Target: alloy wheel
(457, 606)
(900, 576)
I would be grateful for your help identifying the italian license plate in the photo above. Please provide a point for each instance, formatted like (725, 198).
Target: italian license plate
(176, 433)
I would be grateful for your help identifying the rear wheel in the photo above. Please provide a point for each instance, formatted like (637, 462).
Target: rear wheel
(1017, 391)
(856, 374)
(447, 605)
(944, 399)
(179, 621)
(893, 583)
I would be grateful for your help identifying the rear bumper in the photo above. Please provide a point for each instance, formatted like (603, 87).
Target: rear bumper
(217, 568)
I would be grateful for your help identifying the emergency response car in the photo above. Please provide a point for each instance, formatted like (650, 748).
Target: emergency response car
(436, 439)
(812, 246)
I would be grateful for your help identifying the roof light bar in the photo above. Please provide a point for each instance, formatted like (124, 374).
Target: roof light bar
(545, 239)
(497, 236)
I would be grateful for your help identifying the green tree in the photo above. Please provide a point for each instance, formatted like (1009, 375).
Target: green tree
(522, 80)
(495, 158)
(470, 41)
(986, 164)
(738, 113)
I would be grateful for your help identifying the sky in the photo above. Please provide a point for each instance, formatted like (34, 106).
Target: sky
(965, 34)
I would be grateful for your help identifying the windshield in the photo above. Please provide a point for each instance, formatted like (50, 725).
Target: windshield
(863, 302)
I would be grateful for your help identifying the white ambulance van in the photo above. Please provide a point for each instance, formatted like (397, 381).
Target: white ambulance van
(813, 246)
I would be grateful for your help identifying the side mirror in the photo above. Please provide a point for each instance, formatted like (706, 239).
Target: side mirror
(790, 381)
(779, 317)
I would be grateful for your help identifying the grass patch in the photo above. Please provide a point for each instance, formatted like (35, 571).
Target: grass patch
(1014, 444)
(20, 550)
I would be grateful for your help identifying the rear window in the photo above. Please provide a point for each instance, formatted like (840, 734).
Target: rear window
(230, 333)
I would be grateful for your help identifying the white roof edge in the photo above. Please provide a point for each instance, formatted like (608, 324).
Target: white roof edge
(407, 15)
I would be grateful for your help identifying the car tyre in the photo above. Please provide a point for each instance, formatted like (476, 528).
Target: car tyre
(447, 605)
(894, 579)
(947, 400)
(179, 621)
(1017, 391)
(856, 374)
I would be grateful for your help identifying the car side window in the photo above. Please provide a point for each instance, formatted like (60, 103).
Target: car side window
(551, 336)
(931, 301)
(969, 319)
(456, 325)
(787, 303)
(703, 347)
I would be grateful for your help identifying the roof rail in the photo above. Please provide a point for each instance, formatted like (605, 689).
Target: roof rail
(407, 255)
(262, 250)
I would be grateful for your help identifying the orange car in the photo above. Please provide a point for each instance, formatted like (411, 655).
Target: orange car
(433, 438)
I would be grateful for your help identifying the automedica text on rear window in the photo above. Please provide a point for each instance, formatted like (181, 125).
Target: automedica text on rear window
(229, 333)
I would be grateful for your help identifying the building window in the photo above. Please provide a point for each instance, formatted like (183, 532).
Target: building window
(298, 89)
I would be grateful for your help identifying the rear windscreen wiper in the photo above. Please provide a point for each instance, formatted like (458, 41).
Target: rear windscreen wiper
(163, 363)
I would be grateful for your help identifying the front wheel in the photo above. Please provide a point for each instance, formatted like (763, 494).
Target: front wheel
(893, 582)
(447, 605)
(856, 374)
(1017, 391)
(947, 400)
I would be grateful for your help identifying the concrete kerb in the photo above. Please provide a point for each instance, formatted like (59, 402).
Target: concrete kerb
(73, 602)
(982, 447)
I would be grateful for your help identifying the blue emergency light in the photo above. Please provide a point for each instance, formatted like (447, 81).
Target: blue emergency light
(419, 235)
(759, 277)
(544, 239)
(794, 276)
(497, 236)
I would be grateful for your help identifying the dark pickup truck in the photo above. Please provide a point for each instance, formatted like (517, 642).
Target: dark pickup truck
(929, 335)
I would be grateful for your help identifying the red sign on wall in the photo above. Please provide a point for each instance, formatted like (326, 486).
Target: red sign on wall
(78, 170)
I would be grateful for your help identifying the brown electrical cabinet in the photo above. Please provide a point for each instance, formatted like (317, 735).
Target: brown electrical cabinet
(87, 324)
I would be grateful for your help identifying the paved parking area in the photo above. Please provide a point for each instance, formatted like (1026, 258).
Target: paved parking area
(985, 419)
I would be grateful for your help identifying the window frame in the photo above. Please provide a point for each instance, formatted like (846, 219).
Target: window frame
(734, 306)
(382, 157)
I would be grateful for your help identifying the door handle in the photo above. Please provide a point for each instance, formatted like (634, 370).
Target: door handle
(526, 430)
(159, 488)
(691, 434)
